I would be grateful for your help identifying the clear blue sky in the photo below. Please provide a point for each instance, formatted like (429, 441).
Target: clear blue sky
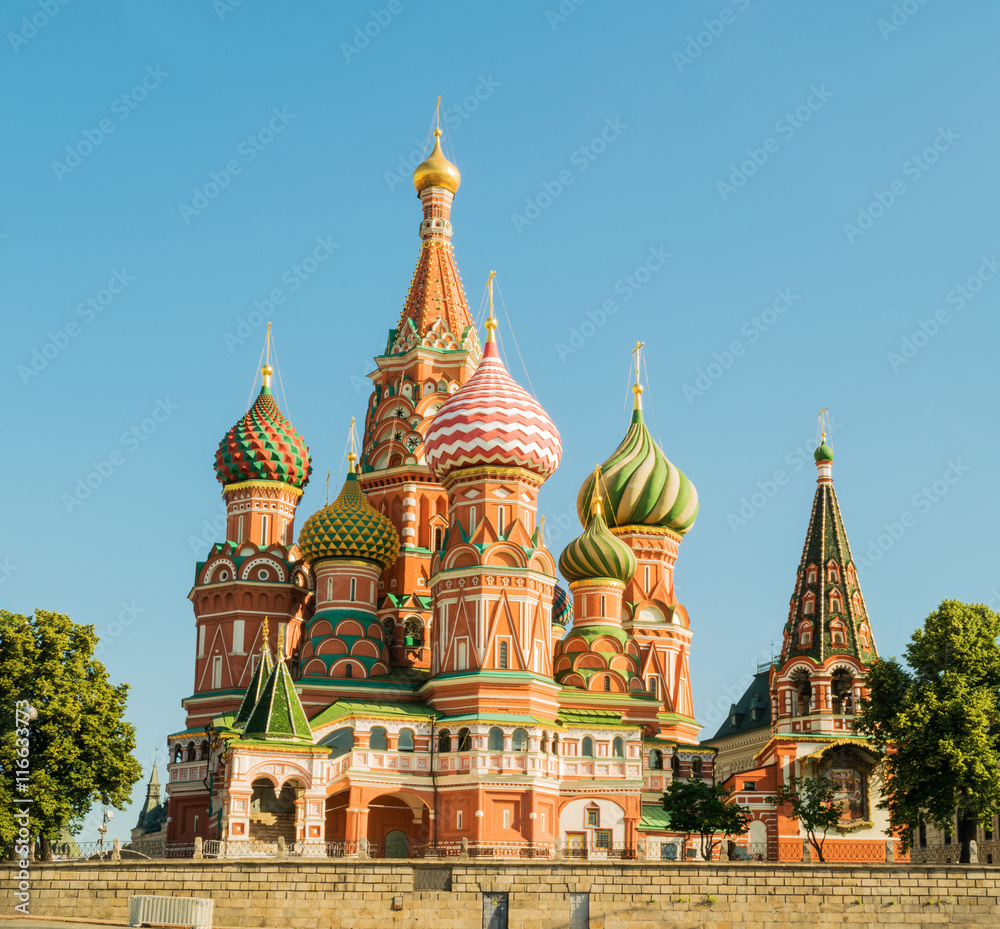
(748, 164)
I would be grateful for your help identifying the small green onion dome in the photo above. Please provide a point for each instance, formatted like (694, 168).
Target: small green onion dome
(350, 527)
(562, 606)
(824, 452)
(263, 446)
(597, 553)
(641, 486)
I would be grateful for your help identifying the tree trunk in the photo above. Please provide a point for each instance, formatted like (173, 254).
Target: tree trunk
(966, 835)
(46, 843)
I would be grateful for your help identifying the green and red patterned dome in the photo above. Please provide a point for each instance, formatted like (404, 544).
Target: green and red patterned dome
(562, 606)
(641, 486)
(597, 554)
(263, 446)
(350, 527)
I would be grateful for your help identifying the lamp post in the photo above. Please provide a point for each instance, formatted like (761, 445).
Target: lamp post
(103, 827)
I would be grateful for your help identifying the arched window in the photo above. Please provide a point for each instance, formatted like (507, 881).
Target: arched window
(555, 744)
(832, 573)
(607, 683)
(808, 605)
(519, 741)
(652, 687)
(389, 628)
(656, 760)
(349, 670)
(675, 765)
(545, 742)
(812, 574)
(438, 540)
(495, 740)
(618, 748)
(413, 632)
(444, 741)
(464, 740)
(502, 660)
(838, 633)
(377, 739)
(405, 743)
(835, 602)
(805, 633)
(696, 767)
(587, 747)
(354, 589)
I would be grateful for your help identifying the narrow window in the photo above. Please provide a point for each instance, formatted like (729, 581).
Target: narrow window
(607, 683)
(286, 532)
(645, 578)
(464, 740)
(604, 604)
(238, 625)
(329, 588)
(438, 545)
(263, 530)
(472, 519)
(501, 519)
(354, 589)
(216, 672)
(371, 593)
(651, 686)
(519, 741)
(444, 741)
(201, 642)
(458, 820)
(462, 660)
(349, 670)
(538, 659)
(587, 749)
(494, 741)
(696, 767)
(656, 760)
(503, 655)
(593, 816)
(405, 743)
(196, 824)
(542, 817)
(506, 819)
(239, 531)
(618, 748)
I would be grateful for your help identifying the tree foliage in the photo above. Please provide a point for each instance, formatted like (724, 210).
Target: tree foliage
(696, 808)
(938, 723)
(814, 804)
(79, 748)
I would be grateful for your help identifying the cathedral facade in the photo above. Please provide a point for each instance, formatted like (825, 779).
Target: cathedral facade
(407, 670)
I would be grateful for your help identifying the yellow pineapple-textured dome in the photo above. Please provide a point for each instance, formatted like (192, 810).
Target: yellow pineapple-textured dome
(350, 527)
(436, 170)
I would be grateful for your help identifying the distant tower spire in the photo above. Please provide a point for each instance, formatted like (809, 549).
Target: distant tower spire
(267, 370)
(824, 454)
(491, 322)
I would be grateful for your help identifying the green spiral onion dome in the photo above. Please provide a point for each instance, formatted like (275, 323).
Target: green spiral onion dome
(263, 446)
(597, 554)
(562, 606)
(641, 487)
(350, 527)
(824, 452)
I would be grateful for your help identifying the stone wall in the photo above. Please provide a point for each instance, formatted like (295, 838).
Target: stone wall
(382, 894)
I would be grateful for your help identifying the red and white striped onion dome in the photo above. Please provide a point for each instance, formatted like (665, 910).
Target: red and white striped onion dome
(492, 420)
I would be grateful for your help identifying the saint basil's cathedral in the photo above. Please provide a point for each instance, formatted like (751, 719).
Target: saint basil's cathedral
(409, 672)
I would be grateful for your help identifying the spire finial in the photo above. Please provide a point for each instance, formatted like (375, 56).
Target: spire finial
(637, 387)
(351, 457)
(267, 370)
(491, 322)
(596, 500)
(327, 489)
(264, 636)
(824, 419)
(281, 642)
(437, 116)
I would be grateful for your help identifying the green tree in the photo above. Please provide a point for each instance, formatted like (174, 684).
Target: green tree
(937, 723)
(814, 805)
(79, 748)
(696, 808)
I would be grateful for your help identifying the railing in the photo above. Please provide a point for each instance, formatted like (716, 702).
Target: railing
(618, 850)
(853, 851)
(748, 853)
(179, 850)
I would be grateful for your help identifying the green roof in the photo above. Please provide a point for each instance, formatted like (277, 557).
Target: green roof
(653, 816)
(278, 715)
(574, 717)
(741, 717)
(260, 675)
(361, 708)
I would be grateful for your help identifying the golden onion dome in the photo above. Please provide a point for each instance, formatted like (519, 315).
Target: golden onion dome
(436, 170)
